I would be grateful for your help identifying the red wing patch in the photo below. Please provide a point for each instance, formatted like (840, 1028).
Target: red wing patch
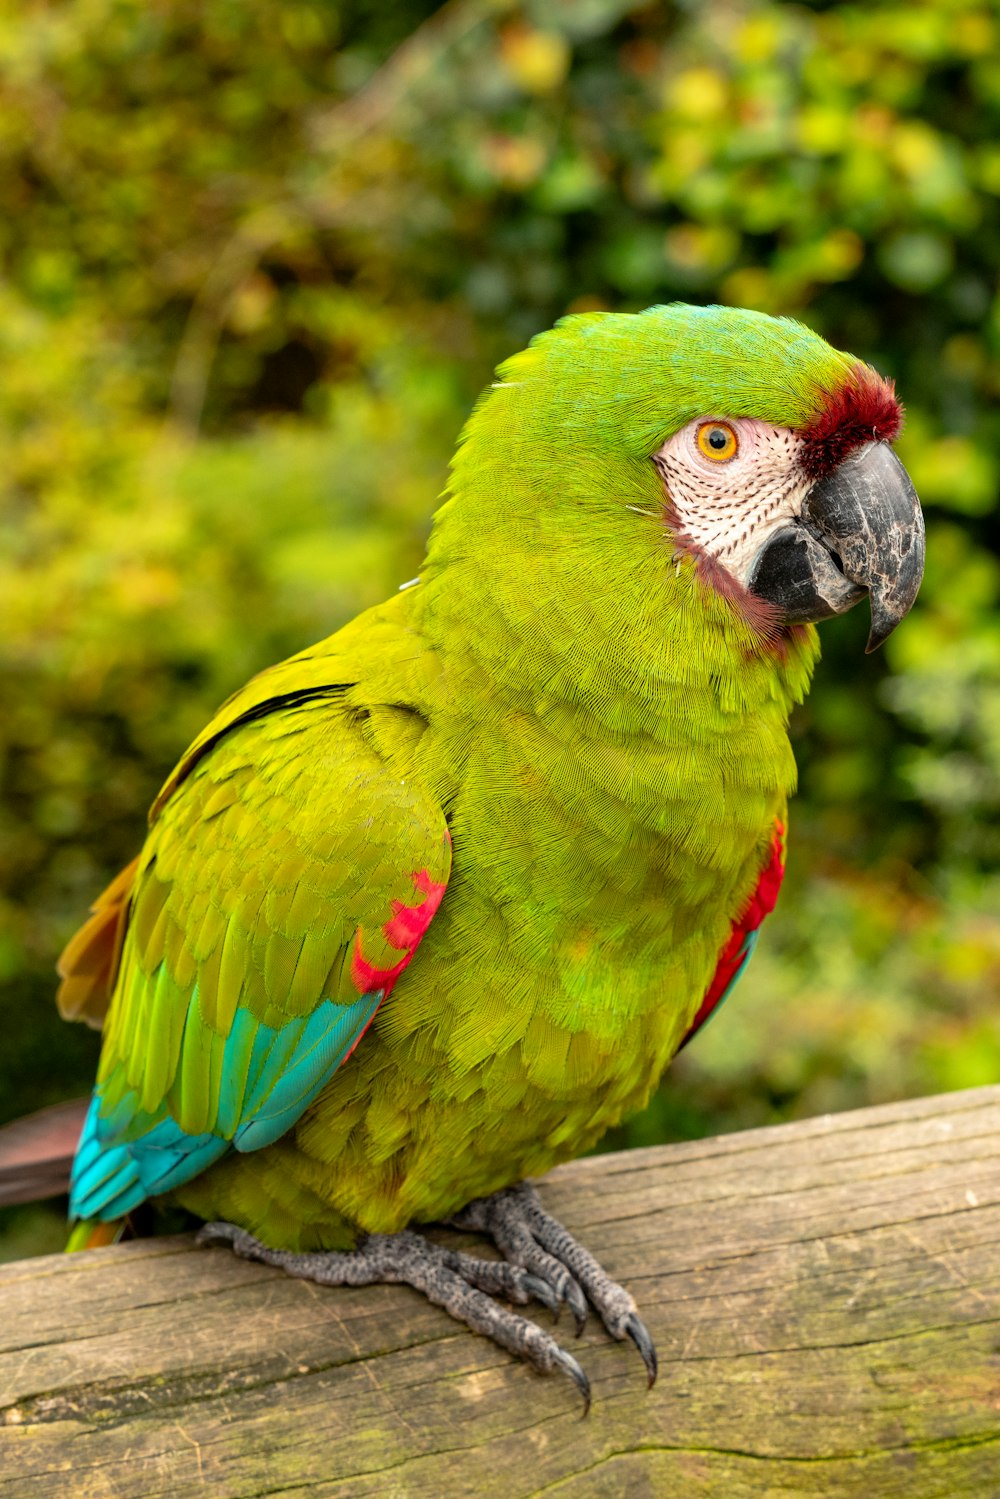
(403, 931)
(743, 932)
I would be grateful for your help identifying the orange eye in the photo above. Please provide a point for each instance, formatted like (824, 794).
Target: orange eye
(717, 441)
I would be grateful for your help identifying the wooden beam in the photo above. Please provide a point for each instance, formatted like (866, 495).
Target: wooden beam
(825, 1297)
(36, 1152)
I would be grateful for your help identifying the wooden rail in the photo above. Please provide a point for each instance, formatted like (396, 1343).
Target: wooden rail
(825, 1297)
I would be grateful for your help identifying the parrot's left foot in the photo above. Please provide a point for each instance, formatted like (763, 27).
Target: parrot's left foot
(527, 1235)
(541, 1261)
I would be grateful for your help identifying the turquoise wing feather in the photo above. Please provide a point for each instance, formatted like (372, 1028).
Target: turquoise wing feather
(286, 883)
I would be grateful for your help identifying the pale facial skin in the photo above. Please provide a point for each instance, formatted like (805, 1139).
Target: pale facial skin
(732, 482)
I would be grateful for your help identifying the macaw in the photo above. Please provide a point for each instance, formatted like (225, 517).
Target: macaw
(430, 906)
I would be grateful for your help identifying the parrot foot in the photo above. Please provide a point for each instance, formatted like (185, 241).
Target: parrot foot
(462, 1284)
(527, 1236)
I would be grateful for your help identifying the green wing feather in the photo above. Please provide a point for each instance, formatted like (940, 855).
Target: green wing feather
(288, 870)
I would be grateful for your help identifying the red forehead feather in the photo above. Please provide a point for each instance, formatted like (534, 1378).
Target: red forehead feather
(865, 409)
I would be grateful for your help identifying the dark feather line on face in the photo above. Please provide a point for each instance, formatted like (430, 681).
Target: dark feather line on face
(865, 409)
(761, 616)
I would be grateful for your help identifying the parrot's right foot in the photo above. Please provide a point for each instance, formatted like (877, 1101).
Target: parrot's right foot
(465, 1285)
(462, 1284)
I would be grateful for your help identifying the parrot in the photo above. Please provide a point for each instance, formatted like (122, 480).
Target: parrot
(427, 908)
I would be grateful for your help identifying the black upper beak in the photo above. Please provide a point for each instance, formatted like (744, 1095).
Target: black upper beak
(861, 531)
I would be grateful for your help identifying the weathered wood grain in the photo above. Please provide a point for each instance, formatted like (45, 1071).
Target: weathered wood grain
(825, 1297)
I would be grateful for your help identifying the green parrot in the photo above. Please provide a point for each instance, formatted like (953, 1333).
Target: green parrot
(429, 907)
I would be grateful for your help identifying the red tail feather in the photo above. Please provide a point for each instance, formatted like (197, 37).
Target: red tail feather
(88, 965)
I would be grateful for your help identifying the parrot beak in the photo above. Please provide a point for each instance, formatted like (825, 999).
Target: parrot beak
(861, 531)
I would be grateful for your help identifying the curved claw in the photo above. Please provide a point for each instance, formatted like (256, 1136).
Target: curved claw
(577, 1303)
(566, 1361)
(543, 1292)
(636, 1330)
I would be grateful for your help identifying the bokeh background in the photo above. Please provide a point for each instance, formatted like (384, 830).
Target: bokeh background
(257, 261)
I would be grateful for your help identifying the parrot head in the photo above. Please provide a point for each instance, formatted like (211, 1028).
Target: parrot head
(764, 454)
(807, 519)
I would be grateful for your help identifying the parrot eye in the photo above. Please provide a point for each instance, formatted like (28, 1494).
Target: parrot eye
(718, 441)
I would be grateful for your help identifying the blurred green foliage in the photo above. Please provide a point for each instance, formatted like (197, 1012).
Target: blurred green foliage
(257, 261)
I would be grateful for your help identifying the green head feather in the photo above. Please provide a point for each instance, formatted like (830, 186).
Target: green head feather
(551, 552)
(627, 381)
